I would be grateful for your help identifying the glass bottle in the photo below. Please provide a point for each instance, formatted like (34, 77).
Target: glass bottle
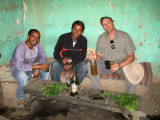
(70, 60)
(68, 82)
(93, 65)
(74, 83)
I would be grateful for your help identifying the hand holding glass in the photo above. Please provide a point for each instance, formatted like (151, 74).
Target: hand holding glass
(108, 64)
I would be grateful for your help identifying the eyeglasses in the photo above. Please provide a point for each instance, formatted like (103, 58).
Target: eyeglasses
(112, 44)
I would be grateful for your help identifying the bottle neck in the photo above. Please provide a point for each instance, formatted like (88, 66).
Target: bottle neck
(74, 70)
(93, 62)
(74, 74)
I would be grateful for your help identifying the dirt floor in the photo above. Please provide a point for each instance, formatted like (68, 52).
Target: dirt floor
(45, 109)
(152, 100)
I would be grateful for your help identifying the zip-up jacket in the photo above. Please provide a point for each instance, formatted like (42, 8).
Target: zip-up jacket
(64, 48)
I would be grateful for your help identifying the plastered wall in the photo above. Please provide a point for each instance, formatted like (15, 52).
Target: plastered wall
(139, 18)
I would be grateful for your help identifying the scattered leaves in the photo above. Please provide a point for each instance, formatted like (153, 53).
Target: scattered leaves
(125, 100)
(52, 90)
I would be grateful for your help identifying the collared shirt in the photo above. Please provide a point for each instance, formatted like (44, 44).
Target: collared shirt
(123, 46)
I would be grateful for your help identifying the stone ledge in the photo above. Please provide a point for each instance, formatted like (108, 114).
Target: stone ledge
(3, 118)
(6, 75)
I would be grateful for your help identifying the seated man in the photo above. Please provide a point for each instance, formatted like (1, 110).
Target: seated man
(69, 52)
(23, 58)
(112, 45)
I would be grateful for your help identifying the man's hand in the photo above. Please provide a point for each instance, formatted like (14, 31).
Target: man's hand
(94, 56)
(36, 73)
(40, 66)
(44, 66)
(128, 60)
(65, 60)
(115, 67)
(67, 67)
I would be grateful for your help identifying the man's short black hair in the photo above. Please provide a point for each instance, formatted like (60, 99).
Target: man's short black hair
(31, 30)
(102, 18)
(78, 23)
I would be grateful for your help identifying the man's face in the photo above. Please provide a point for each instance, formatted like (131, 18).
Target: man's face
(77, 30)
(33, 38)
(108, 25)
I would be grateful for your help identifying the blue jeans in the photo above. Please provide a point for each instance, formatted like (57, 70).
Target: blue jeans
(57, 68)
(22, 79)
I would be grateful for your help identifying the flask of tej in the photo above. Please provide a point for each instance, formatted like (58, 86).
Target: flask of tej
(74, 83)
(93, 65)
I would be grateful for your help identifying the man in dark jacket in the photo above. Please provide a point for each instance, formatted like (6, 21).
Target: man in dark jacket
(70, 51)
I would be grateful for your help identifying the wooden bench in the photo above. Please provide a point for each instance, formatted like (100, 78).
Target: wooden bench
(147, 79)
(88, 97)
(114, 82)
